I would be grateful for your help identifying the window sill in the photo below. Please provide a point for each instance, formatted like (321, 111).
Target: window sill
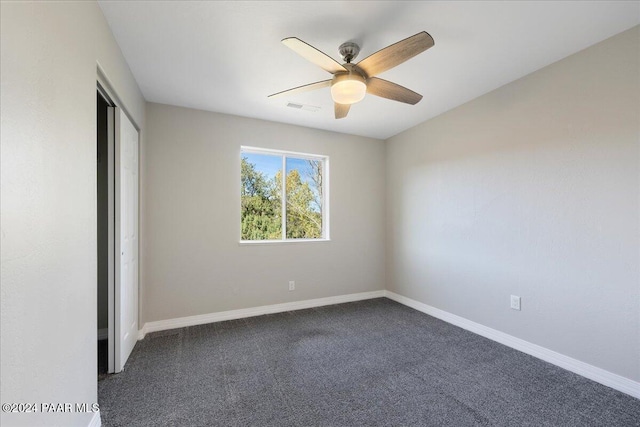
(280, 242)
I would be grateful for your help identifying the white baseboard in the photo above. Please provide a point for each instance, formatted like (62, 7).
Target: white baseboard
(201, 319)
(103, 334)
(599, 375)
(95, 420)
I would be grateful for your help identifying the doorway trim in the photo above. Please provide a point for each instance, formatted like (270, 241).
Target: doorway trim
(110, 229)
(106, 89)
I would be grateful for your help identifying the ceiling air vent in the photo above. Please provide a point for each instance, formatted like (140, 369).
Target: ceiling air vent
(304, 107)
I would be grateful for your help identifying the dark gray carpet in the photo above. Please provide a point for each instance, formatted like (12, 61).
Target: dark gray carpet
(370, 363)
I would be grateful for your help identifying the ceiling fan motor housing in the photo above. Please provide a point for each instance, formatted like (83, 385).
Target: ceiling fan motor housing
(349, 51)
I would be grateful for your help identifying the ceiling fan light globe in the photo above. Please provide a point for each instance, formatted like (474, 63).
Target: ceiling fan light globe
(348, 88)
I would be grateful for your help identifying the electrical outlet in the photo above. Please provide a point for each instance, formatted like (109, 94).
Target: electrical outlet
(292, 285)
(515, 302)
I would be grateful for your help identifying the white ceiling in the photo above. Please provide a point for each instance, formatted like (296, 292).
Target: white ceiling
(226, 56)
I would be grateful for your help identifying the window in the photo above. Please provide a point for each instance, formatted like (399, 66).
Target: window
(277, 206)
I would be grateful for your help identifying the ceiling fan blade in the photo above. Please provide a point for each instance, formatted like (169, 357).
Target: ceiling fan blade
(312, 54)
(303, 88)
(341, 110)
(396, 54)
(389, 90)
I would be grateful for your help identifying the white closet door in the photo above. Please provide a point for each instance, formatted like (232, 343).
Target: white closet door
(126, 198)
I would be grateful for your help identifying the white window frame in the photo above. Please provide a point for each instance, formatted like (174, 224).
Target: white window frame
(325, 194)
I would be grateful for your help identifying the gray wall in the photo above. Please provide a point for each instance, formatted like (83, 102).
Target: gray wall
(195, 264)
(48, 216)
(530, 190)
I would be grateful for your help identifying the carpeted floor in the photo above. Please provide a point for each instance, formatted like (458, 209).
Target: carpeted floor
(369, 363)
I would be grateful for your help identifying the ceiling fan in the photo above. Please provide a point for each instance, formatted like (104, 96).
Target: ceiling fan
(351, 82)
